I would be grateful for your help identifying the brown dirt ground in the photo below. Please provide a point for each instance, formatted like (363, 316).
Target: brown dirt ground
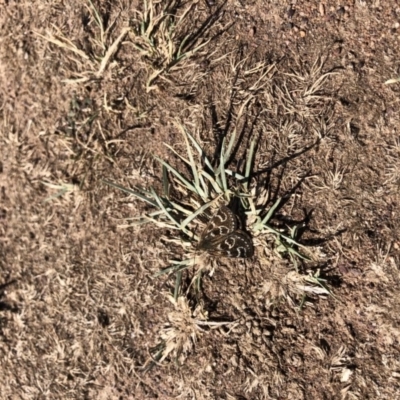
(80, 310)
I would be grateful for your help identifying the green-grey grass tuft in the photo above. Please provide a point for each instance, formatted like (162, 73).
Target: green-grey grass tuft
(203, 188)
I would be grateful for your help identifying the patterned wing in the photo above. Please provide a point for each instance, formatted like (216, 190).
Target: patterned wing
(237, 244)
(221, 224)
(222, 236)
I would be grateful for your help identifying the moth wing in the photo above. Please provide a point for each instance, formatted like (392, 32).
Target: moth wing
(237, 244)
(222, 223)
(222, 236)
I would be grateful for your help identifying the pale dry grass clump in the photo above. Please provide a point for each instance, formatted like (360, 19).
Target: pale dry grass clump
(179, 335)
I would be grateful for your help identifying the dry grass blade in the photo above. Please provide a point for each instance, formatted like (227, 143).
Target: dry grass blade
(392, 80)
(178, 281)
(280, 235)
(130, 191)
(193, 165)
(201, 152)
(99, 22)
(63, 189)
(166, 212)
(64, 44)
(183, 180)
(199, 211)
(270, 213)
(111, 50)
(215, 186)
(176, 267)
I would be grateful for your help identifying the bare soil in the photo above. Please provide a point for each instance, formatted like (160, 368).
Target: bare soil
(80, 309)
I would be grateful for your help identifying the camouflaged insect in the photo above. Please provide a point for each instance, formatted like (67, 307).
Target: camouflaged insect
(223, 237)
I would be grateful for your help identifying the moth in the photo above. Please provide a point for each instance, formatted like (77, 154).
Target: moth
(223, 237)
